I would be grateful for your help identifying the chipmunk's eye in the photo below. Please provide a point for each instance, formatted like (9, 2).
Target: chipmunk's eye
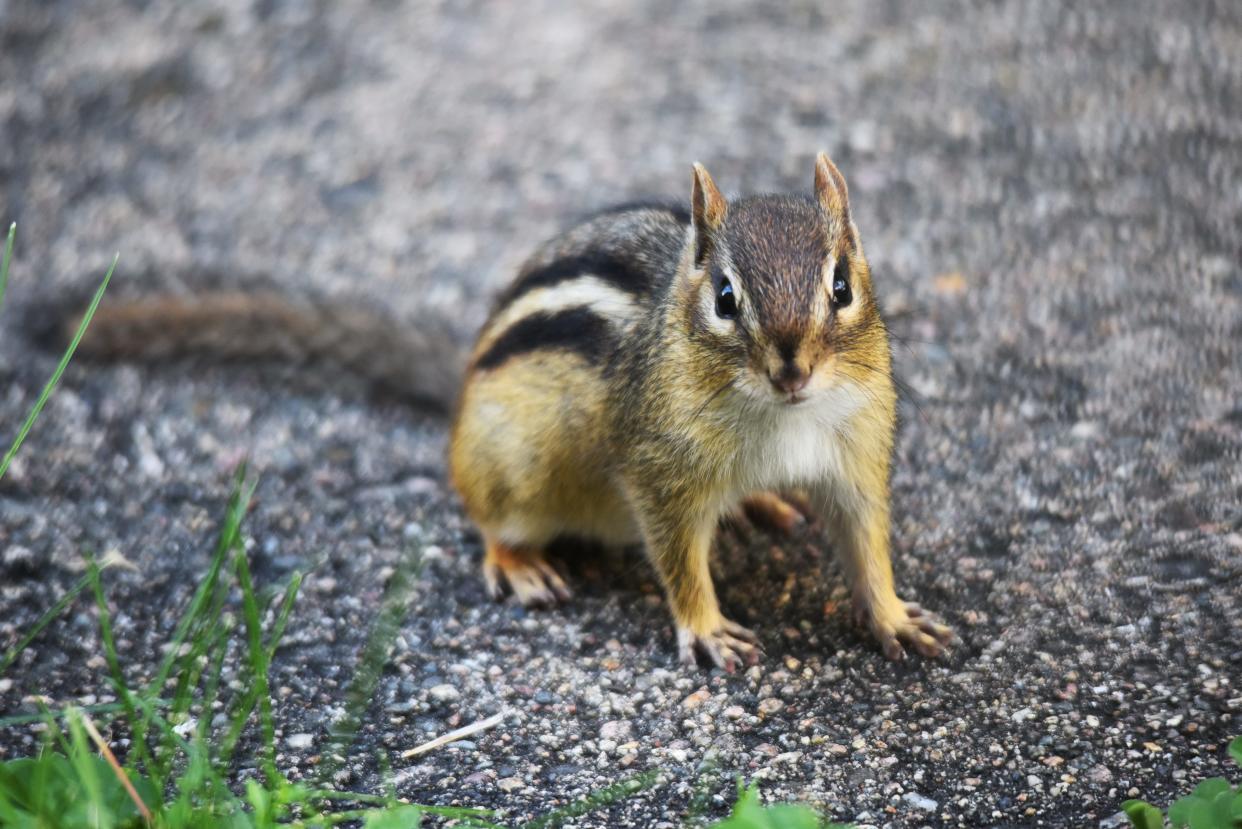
(726, 301)
(841, 294)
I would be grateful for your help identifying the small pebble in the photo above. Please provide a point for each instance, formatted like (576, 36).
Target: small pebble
(299, 741)
(444, 693)
(918, 801)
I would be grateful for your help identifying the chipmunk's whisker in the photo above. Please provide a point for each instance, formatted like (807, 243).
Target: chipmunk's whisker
(712, 397)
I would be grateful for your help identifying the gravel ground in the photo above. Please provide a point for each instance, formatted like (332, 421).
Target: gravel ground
(1050, 196)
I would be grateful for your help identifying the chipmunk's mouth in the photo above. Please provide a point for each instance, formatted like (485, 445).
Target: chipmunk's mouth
(795, 399)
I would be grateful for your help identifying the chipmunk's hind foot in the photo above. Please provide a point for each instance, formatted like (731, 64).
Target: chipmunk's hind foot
(526, 572)
(774, 512)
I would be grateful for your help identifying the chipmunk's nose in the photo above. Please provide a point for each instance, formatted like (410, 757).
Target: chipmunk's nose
(791, 378)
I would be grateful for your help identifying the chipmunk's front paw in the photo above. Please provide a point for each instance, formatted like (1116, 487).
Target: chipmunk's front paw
(895, 623)
(728, 645)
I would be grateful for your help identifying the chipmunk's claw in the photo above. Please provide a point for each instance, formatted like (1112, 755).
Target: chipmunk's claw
(896, 624)
(728, 646)
(527, 573)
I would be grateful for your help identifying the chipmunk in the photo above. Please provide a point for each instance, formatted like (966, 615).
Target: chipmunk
(646, 373)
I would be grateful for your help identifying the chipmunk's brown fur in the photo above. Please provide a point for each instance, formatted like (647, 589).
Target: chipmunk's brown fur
(646, 373)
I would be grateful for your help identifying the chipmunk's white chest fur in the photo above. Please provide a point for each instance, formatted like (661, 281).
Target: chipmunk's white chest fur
(792, 446)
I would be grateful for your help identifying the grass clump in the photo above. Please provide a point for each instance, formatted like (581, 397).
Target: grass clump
(181, 751)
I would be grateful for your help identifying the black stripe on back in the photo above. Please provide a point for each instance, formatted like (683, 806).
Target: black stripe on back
(579, 330)
(611, 268)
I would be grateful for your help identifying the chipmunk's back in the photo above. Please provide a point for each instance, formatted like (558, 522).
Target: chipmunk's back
(583, 291)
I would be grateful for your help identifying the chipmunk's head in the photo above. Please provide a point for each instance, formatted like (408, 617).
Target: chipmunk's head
(780, 293)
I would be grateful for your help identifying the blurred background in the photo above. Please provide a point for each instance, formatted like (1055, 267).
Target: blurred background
(1050, 195)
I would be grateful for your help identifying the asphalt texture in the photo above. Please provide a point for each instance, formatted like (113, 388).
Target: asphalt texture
(1050, 195)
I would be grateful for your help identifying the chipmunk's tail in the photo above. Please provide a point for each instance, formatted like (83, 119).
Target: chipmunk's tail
(420, 363)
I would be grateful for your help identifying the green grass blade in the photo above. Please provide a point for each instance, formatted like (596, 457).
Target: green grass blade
(103, 708)
(230, 535)
(259, 660)
(141, 752)
(456, 812)
(240, 711)
(55, 610)
(208, 640)
(83, 760)
(472, 817)
(48, 764)
(282, 615)
(217, 652)
(260, 655)
(4, 263)
(394, 606)
(60, 368)
(53, 731)
(386, 776)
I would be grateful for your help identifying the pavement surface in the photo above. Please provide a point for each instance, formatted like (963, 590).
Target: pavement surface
(1051, 198)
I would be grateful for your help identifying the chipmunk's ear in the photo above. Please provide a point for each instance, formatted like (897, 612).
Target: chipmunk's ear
(708, 208)
(830, 189)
